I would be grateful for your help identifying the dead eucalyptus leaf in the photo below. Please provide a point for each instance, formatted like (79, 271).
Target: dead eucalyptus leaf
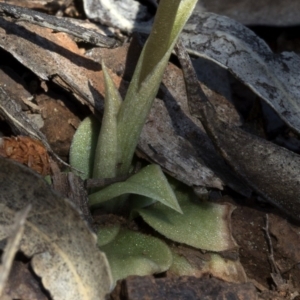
(273, 77)
(284, 232)
(272, 171)
(45, 52)
(48, 6)
(63, 250)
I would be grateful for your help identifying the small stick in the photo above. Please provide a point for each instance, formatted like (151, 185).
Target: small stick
(270, 246)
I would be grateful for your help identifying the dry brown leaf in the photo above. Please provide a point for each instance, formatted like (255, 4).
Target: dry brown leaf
(270, 170)
(273, 77)
(45, 52)
(63, 249)
(55, 56)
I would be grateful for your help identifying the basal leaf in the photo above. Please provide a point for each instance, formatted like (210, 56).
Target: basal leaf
(148, 74)
(133, 253)
(149, 181)
(202, 225)
(105, 161)
(83, 146)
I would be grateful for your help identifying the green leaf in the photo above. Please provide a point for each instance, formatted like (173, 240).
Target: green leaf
(133, 253)
(107, 145)
(134, 112)
(171, 17)
(202, 225)
(149, 181)
(83, 146)
(160, 38)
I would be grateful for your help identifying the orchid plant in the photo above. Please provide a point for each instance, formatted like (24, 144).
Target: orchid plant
(107, 151)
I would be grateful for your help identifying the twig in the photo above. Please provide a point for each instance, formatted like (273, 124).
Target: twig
(270, 246)
(57, 24)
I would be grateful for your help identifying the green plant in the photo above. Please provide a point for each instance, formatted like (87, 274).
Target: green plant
(108, 152)
(123, 121)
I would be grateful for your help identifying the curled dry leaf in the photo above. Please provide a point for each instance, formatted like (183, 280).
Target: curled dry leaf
(63, 250)
(27, 151)
(274, 78)
(270, 170)
(45, 52)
